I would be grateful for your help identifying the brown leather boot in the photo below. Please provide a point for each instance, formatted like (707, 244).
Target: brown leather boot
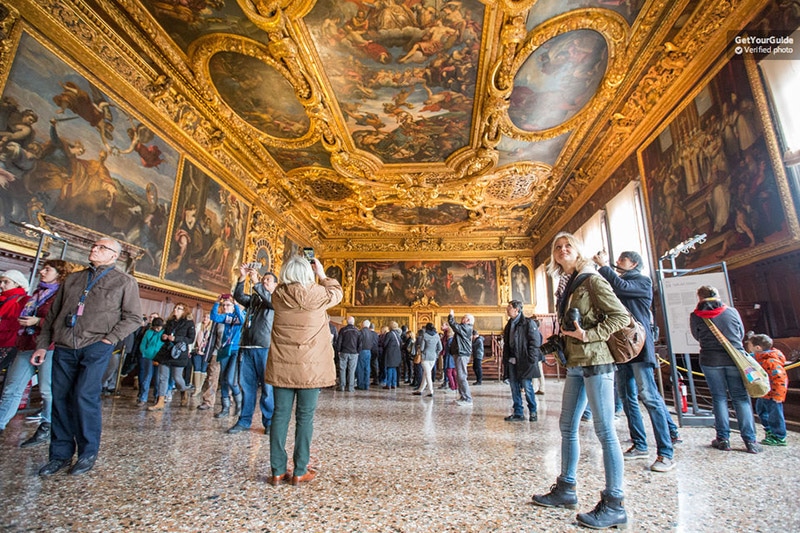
(159, 405)
(184, 398)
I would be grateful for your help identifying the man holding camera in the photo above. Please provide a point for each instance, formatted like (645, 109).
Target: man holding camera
(462, 337)
(254, 345)
(635, 291)
(94, 309)
(522, 352)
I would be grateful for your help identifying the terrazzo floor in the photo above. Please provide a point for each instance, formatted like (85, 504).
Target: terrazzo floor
(388, 462)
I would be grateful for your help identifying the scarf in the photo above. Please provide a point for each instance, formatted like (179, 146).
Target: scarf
(42, 293)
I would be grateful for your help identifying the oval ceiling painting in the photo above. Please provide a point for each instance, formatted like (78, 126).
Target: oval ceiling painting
(558, 79)
(258, 94)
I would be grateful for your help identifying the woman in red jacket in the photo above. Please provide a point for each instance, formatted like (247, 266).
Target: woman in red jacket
(28, 326)
(14, 296)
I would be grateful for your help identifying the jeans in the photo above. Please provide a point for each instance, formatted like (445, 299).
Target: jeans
(251, 379)
(391, 376)
(598, 390)
(639, 376)
(303, 430)
(461, 375)
(229, 385)
(770, 413)
(199, 364)
(17, 377)
(516, 394)
(145, 377)
(363, 368)
(165, 373)
(348, 363)
(722, 380)
(77, 412)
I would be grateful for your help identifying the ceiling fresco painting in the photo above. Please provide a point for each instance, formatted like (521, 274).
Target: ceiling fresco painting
(409, 96)
(465, 119)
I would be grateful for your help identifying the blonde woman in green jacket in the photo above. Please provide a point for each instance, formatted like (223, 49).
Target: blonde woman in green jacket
(590, 378)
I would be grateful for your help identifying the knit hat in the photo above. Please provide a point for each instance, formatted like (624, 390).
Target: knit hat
(17, 277)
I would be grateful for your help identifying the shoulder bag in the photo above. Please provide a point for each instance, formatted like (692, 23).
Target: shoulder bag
(754, 376)
(626, 343)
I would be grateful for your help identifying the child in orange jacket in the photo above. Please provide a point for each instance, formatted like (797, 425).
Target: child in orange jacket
(770, 407)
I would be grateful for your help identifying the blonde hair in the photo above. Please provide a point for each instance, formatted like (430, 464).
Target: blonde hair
(297, 270)
(553, 268)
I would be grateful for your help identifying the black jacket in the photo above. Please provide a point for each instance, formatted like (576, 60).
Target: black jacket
(348, 340)
(463, 336)
(477, 348)
(183, 329)
(635, 291)
(257, 327)
(525, 346)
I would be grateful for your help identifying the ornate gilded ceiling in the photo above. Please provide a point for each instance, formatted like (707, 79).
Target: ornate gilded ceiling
(464, 119)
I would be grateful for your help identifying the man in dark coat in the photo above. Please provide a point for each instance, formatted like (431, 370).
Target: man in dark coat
(348, 346)
(635, 291)
(477, 356)
(522, 343)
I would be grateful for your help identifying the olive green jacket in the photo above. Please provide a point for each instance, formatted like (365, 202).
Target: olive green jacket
(601, 315)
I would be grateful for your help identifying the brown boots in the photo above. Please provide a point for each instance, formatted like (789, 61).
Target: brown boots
(158, 406)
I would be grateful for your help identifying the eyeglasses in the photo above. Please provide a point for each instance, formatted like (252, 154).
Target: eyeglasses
(103, 247)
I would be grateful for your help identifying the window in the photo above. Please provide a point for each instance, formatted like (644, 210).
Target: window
(626, 225)
(541, 302)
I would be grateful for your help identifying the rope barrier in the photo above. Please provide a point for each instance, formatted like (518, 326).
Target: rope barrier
(695, 373)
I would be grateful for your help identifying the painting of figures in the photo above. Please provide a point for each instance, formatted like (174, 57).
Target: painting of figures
(709, 171)
(403, 72)
(68, 150)
(521, 284)
(426, 282)
(207, 240)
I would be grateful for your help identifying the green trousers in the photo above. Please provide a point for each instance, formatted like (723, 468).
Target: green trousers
(303, 430)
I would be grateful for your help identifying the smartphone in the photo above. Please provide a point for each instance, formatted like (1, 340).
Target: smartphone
(309, 254)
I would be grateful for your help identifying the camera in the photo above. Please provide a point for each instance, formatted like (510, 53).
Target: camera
(309, 254)
(555, 344)
(253, 266)
(70, 320)
(573, 315)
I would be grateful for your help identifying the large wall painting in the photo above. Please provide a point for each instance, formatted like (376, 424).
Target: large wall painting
(69, 150)
(433, 282)
(710, 171)
(208, 235)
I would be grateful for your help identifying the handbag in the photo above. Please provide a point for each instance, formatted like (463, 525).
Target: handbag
(178, 350)
(627, 343)
(224, 352)
(756, 380)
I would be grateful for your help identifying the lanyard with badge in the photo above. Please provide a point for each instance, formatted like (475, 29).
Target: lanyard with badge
(72, 318)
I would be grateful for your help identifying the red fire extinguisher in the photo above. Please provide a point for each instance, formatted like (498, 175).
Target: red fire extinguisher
(682, 389)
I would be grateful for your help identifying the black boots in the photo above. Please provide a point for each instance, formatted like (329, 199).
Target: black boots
(226, 408)
(42, 435)
(238, 401)
(562, 494)
(609, 512)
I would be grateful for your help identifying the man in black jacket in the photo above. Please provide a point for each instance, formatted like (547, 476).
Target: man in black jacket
(522, 343)
(348, 346)
(477, 357)
(635, 291)
(254, 347)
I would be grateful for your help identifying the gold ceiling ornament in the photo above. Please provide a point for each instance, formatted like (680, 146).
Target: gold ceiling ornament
(9, 17)
(609, 24)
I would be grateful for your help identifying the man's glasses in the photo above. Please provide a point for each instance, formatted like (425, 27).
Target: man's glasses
(103, 247)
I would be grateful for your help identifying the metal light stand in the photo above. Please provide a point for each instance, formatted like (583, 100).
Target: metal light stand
(43, 233)
(697, 417)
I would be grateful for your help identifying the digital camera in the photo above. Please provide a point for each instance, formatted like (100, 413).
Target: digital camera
(70, 320)
(573, 315)
(555, 344)
(309, 254)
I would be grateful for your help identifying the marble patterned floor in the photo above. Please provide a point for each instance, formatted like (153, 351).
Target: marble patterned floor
(388, 462)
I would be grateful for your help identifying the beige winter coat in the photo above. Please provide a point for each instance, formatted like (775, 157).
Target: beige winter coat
(301, 353)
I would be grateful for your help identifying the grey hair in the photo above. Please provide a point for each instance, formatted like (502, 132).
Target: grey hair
(297, 269)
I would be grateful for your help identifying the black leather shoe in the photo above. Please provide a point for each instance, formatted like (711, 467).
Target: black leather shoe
(54, 466)
(514, 418)
(237, 429)
(82, 465)
(534, 417)
(41, 436)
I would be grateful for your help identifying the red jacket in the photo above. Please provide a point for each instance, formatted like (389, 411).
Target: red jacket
(11, 303)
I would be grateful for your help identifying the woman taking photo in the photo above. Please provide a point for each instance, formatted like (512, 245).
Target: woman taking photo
(178, 329)
(300, 361)
(722, 374)
(28, 327)
(590, 377)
